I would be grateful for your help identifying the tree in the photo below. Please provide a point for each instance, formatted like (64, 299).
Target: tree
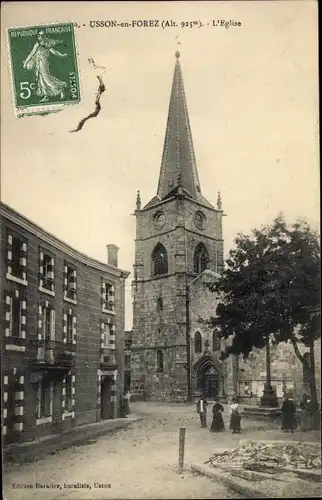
(270, 288)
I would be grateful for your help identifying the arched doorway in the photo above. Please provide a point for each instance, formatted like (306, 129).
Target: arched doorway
(210, 383)
(208, 377)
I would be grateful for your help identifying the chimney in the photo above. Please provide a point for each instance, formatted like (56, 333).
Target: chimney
(112, 251)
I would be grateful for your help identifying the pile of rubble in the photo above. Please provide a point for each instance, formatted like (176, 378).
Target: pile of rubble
(259, 456)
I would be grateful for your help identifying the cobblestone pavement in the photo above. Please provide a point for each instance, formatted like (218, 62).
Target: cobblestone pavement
(139, 462)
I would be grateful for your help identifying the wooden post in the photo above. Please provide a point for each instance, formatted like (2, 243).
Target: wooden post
(182, 438)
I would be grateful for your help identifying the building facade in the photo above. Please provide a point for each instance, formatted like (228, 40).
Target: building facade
(62, 332)
(178, 237)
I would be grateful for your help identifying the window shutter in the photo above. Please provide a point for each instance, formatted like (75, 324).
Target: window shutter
(65, 328)
(41, 269)
(9, 254)
(52, 324)
(23, 260)
(65, 279)
(74, 329)
(103, 294)
(42, 311)
(102, 335)
(23, 309)
(73, 280)
(8, 316)
(112, 336)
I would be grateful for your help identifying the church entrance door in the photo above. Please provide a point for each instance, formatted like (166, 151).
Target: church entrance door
(211, 384)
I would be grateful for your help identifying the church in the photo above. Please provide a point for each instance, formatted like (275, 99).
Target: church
(178, 253)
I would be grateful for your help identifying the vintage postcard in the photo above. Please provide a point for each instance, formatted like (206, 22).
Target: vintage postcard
(160, 250)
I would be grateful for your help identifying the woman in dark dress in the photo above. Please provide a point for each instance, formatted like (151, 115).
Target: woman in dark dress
(235, 417)
(217, 420)
(288, 415)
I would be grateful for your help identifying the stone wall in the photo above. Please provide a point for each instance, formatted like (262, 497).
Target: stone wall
(286, 371)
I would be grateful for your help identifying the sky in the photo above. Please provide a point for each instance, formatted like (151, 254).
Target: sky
(252, 95)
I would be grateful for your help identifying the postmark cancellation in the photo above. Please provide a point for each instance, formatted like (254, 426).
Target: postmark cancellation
(44, 68)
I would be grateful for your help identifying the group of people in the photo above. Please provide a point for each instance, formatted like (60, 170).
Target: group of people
(289, 414)
(218, 424)
(290, 421)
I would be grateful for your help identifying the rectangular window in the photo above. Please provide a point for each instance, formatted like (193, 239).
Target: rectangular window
(15, 316)
(106, 332)
(70, 326)
(48, 278)
(46, 264)
(16, 259)
(127, 360)
(48, 323)
(46, 273)
(108, 296)
(69, 282)
(16, 268)
(44, 398)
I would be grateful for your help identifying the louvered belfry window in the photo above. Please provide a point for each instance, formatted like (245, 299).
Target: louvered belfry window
(201, 259)
(159, 260)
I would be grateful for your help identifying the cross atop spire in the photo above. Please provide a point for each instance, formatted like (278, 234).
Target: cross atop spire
(178, 160)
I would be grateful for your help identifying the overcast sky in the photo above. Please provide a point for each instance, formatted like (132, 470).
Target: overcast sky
(252, 94)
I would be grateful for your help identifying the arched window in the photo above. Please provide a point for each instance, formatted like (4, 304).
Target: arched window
(200, 259)
(198, 342)
(159, 260)
(215, 342)
(160, 305)
(159, 361)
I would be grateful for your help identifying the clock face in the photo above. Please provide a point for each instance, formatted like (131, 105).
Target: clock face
(199, 220)
(159, 219)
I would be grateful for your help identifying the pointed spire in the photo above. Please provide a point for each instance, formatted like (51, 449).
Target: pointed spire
(219, 203)
(138, 201)
(178, 166)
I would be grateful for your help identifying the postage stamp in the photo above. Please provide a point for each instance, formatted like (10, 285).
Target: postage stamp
(44, 69)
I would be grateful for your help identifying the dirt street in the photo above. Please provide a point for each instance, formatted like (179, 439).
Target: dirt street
(140, 462)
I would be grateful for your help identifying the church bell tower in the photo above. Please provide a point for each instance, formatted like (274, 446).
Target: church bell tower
(178, 236)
